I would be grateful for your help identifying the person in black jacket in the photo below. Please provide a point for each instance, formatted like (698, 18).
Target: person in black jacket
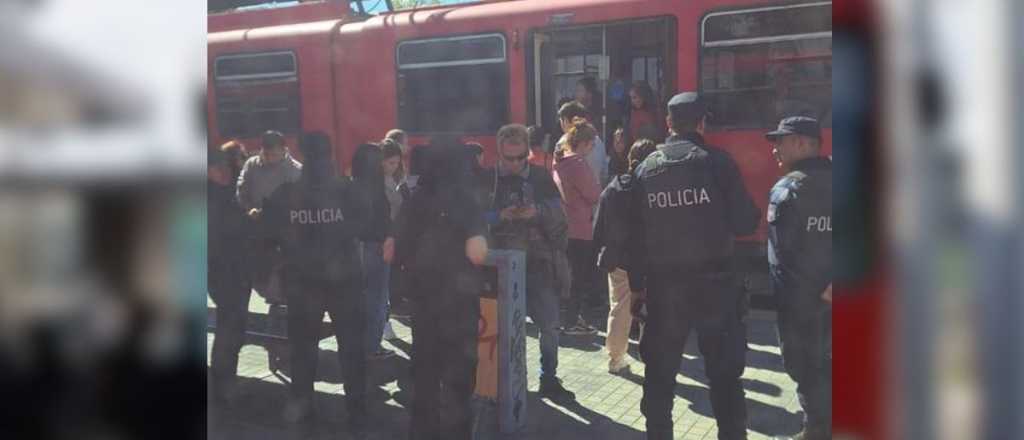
(441, 242)
(800, 265)
(688, 205)
(378, 245)
(227, 274)
(317, 222)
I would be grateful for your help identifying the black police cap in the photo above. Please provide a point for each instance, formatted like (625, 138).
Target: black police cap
(688, 105)
(800, 125)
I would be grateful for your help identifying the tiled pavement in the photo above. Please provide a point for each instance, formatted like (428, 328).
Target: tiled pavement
(608, 406)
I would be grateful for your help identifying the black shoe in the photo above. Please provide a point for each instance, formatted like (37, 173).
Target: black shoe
(553, 389)
(581, 328)
(381, 354)
(808, 434)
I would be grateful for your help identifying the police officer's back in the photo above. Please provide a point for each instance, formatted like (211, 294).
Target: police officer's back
(316, 221)
(800, 264)
(690, 203)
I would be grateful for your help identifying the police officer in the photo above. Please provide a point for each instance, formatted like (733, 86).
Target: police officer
(689, 205)
(316, 221)
(441, 242)
(800, 260)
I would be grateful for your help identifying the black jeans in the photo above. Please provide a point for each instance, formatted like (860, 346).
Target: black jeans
(345, 302)
(806, 339)
(445, 325)
(229, 287)
(583, 264)
(678, 303)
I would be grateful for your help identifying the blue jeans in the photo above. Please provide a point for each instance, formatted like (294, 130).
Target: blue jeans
(542, 305)
(378, 280)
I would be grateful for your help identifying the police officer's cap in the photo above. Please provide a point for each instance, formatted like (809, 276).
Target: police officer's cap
(799, 125)
(687, 106)
(315, 146)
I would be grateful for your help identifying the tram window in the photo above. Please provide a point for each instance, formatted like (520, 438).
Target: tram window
(257, 92)
(762, 65)
(453, 85)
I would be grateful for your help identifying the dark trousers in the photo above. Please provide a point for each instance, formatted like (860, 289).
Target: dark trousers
(806, 339)
(678, 303)
(445, 326)
(345, 302)
(229, 288)
(583, 264)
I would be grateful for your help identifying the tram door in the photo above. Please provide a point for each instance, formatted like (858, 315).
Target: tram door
(613, 55)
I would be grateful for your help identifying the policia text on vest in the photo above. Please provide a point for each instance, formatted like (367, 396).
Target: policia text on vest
(681, 197)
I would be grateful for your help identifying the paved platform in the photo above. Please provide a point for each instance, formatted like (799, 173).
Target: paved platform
(608, 407)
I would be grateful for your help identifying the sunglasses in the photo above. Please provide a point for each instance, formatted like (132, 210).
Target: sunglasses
(519, 158)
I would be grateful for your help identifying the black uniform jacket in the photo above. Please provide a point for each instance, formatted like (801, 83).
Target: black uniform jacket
(689, 203)
(800, 234)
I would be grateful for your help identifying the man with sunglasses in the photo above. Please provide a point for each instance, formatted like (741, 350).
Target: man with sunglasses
(800, 265)
(526, 214)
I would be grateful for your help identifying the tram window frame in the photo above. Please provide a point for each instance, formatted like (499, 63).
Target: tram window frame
(476, 87)
(244, 100)
(753, 105)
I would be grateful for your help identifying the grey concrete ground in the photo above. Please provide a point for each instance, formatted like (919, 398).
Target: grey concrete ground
(608, 407)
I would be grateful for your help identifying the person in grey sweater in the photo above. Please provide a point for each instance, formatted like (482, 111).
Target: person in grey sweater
(261, 175)
(264, 172)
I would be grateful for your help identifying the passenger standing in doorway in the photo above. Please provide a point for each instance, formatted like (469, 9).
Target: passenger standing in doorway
(580, 193)
(643, 120)
(377, 242)
(588, 94)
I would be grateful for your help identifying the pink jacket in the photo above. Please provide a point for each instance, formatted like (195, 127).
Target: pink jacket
(580, 193)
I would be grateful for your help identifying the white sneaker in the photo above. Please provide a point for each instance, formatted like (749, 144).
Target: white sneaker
(618, 367)
(389, 333)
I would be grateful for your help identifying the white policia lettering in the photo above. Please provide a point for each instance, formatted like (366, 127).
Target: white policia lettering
(820, 224)
(316, 216)
(674, 199)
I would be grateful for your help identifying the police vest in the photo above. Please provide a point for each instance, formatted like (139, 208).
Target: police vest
(684, 207)
(319, 236)
(800, 227)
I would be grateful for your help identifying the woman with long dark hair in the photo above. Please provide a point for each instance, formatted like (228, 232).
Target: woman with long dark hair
(643, 120)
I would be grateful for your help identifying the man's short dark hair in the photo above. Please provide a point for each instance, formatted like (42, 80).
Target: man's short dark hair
(572, 110)
(686, 125)
(272, 139)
